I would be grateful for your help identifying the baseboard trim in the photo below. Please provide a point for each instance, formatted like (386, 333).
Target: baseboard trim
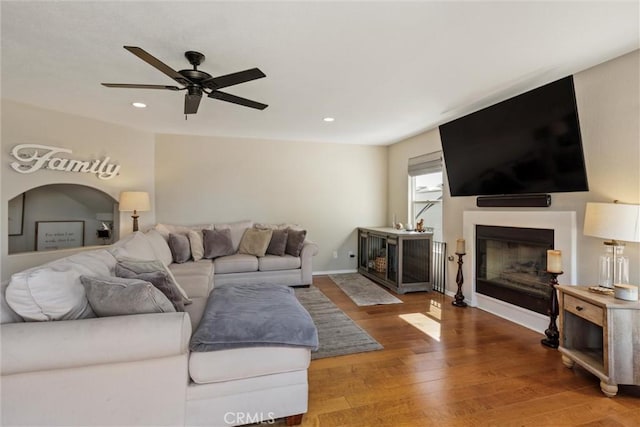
(325, 273)
(518, 315)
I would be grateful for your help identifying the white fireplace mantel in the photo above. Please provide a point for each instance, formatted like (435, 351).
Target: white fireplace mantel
(565, 239)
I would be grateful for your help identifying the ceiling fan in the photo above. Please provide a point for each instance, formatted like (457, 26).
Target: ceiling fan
(196, 82)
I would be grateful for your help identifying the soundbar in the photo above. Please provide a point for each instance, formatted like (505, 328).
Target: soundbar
(515, 201)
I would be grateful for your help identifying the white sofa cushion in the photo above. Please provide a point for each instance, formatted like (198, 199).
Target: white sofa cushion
(63, 345)
(274, 262)
(166, 229)
(135, 245)
(237, 231)
(195, 277)
(239, 363)
(53, 291)
(237, 263)
(282, 226)
(159, 246)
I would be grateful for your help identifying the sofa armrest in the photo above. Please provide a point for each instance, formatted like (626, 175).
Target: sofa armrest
(309, 250)
(38, 346)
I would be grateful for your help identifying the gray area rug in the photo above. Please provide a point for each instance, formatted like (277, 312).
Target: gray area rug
(337, 333)
(362, 290)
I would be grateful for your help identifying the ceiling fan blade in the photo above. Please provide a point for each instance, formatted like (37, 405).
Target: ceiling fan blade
(156, 63)
(191, 103)
(223, 96)
(233, 78)
(133, 86)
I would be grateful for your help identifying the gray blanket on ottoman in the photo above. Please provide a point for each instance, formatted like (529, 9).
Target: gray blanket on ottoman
(262, 315)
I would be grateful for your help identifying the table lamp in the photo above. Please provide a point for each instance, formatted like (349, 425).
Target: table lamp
(620, 223)
(134, 201)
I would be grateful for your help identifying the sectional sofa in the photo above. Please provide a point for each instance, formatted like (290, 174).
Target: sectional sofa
(63, 366)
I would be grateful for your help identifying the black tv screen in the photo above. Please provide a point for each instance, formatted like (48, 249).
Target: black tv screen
(528, 144)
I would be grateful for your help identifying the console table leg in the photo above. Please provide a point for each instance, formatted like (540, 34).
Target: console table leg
(609, 390)
(569, 363)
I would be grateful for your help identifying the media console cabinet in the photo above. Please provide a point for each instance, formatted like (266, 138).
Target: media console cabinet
(399, 260)
(601, 334)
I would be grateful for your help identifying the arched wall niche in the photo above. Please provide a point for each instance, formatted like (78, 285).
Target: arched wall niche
(60, 216)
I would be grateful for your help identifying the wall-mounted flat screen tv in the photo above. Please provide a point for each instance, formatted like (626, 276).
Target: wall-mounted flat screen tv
(528, 144)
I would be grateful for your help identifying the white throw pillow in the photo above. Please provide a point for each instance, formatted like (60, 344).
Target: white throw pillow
(53, 291)
(196, 243)
(46, 294)
(7, 315)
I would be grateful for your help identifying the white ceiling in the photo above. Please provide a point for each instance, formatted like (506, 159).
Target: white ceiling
(384, 70)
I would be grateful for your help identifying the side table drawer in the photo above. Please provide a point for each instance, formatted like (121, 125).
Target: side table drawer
(588, 311)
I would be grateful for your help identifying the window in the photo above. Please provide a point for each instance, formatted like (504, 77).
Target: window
(425, 191)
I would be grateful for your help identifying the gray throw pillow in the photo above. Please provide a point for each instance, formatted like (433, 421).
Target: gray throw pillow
(138, 266)
(116, 296)
(180, 248)
(278, 243)
(217, 243)
(159, 279)
(295, 241)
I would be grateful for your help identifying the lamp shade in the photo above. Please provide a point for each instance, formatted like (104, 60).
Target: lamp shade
(613, 221)
(134, 201)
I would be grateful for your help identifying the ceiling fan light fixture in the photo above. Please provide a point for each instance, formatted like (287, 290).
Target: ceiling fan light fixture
(139, 104)
(194, 81)
(329, 119)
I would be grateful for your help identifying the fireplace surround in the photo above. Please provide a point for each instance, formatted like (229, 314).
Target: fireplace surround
(564, 228)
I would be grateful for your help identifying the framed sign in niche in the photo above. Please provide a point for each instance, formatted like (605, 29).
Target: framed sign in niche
(51, 235)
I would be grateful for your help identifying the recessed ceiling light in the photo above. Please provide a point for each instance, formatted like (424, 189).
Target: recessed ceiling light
(328, 119)
(139, 105)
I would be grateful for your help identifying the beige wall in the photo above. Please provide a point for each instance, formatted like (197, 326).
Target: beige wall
(608, 106)
(88, 139)
(330, 189)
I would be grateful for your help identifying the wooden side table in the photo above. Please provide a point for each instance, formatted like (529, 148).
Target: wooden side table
(601, 334)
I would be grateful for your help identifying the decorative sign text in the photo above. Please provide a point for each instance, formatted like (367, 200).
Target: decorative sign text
(33, 157)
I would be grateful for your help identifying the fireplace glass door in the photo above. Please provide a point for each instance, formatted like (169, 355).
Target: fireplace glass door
(511, 265)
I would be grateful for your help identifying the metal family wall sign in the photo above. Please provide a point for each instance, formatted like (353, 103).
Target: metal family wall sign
(33, 157)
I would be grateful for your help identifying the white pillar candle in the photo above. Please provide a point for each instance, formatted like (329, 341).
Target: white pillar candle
(460, 249)
(554, 261)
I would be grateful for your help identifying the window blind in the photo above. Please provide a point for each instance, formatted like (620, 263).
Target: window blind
(425, 164)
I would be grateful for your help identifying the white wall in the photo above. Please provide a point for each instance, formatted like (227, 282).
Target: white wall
(608, 107)
(89, 139)
(330, 189)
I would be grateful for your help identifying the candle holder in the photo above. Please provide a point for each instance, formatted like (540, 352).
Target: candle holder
(553, 336)
(459, 298)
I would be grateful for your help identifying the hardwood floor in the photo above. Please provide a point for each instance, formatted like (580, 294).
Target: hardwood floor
(456, 367)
